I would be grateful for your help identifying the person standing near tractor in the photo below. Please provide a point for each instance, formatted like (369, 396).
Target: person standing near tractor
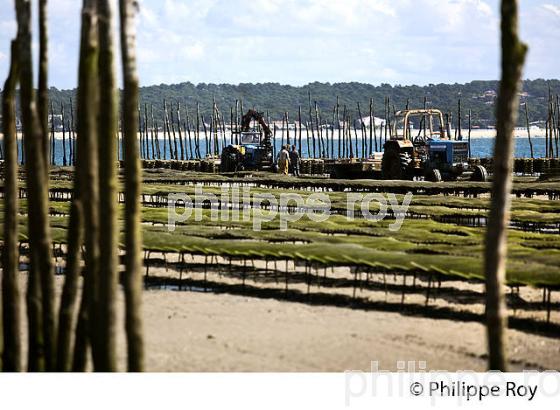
(294, 161)
(283, 160)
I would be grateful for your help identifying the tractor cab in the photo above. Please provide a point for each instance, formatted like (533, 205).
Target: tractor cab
(419, 126)
(250, 138)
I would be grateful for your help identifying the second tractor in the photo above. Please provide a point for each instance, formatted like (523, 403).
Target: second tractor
(430, 153)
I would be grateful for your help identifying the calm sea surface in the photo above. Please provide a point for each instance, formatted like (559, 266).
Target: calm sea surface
(480, 147)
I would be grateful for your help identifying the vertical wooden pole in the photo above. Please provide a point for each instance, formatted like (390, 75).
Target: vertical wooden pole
(147, 141)
(460, 136)
(550, 129)
(168, 130)
(338, 127)
(363, 130)
(70, 148)
(374, 128)
(356, 139)
(171, 123)
(206, 138)
(164, 139)
(43, 92)
(132, 174)
(557, 124)
(311, 124)
(282, 132)
(63, 135)
(320, 147)
(287, 129)
(448, 126)
(308, 140)
(197, 133)
(231, 125)
(332, 131)
(140, 136)
(300, 149)
(424, 119)
(349, 135)
(344, 133)
(224, 133)
(73, 267)
(53, 134)
(37, 186)
(191, 153)
(386, 117)
(10, 349)
(108, 234)
(528, 129)
(236, 122)
(72, 133)
(371, 129)
(469, 136)
(155, 138)
(181, 145)
(546, 155)
(513, 57)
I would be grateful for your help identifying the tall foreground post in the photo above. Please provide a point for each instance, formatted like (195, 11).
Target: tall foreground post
(132, 173)
(43, 76)
(513, 57)
(108, 235)
(87, 169)
(11, 309)
(37, 180)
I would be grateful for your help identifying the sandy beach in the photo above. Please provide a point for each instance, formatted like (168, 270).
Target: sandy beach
(191, 331)
(200, 331)
(194, 331)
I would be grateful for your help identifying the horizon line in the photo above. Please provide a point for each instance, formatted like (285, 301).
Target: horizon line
(395, 85)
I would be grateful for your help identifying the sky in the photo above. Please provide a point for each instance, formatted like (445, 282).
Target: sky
(300, 41)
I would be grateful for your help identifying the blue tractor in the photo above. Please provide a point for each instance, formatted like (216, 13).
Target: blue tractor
(430, 155)
(253, 149)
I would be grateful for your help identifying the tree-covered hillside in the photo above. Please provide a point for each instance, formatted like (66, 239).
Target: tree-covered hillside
(274, 98)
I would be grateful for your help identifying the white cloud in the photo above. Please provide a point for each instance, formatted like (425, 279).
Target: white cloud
(552, 8)
(194, 51)
(298, 41)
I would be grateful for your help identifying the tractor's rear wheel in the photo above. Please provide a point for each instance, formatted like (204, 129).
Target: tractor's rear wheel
(480, 174)
(231, 160)
(434, 175)
(394, 165)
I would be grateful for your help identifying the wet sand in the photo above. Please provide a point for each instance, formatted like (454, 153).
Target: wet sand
(193, 331)
(188, 331)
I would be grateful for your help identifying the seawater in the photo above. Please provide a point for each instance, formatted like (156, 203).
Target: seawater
(480, 147)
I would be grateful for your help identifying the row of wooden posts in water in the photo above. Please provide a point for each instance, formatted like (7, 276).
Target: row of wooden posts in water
(186, 137)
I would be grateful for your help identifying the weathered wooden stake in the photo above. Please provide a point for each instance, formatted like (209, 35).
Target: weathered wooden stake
(63, 135)
(108, 234)
(513, 57)
(528, 129)
(133, 176)
(10, 326)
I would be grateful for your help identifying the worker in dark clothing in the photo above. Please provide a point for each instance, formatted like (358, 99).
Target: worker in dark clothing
(294, 161)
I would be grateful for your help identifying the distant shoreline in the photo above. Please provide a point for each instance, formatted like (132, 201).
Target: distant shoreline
(475, 134)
